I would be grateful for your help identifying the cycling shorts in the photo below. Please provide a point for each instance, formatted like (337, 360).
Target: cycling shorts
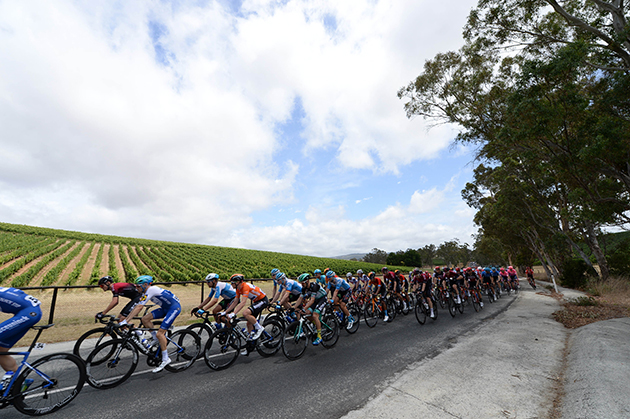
(258, 306)
(169, 315)
(343, 295)
(224, 304)
(13, 329)
(130, 305)
(318, 305)
(293, 297)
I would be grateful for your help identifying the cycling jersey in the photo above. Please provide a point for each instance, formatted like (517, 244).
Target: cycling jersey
(338, 284)
(313, 290)
(223, 289)
(124, 289)
(168, 302)
(293, 287)
(26, 310)
(251, 291)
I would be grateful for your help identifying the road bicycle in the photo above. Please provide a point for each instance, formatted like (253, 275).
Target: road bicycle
(301, 332)
(112, 362)
(422, 309)
(373, 310)
(354, 311)
(46, 385)
(227, 343)
(88, 341)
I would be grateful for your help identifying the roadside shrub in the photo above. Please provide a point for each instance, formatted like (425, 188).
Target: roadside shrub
(619, 259)
(585, 301)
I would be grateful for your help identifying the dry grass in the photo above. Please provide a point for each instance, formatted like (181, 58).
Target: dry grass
(606, 300)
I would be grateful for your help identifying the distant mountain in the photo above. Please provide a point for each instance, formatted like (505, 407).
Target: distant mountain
(357, 256)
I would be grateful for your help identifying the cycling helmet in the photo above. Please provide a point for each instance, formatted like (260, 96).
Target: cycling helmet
(326, 270)
(437, 268)
(304, 277)
(280, 276)
(330, 274)
(105, 279)
(349, 275)
(211, 277)
(384, 269)
(416, 271)
(144, 279)
(397, 272)
(237, 278)
(360, 272)
(487, 269)
(371, 275)
(457, 269)
(317, 272)
(274, 272)
(510, 267)
(502, 269)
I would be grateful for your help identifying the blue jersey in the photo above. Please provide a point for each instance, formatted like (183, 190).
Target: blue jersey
(13, 300)
(160, 296)
(225, 290)
(292, 286)
(338, 284)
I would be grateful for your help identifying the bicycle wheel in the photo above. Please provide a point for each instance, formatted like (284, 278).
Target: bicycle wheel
(421, 314)
(57, 380)
(222, 349)
(90, 340)
(356, 314)
(204, 332)
(295, 341)
(330, 331)
(451, 306)
(460, 307)
(475, 301)
(435, 311)
(406, 307)
(391, 309)
(270, 341)
(111, 363)
(370, 312)
(442, 300)
(183, 348)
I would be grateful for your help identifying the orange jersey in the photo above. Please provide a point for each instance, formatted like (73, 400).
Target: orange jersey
(251, 291)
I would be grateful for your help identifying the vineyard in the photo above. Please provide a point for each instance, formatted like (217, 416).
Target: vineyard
(34, 256)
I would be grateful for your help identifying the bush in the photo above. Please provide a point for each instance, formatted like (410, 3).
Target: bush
(575, 273)
(619, 259)
(585, 301)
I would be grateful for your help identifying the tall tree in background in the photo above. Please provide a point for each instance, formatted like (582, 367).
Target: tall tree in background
(551, 122)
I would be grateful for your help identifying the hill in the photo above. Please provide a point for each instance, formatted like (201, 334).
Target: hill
(357, 256)
(35, 256)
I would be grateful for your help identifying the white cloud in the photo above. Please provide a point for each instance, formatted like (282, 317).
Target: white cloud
(108, 127)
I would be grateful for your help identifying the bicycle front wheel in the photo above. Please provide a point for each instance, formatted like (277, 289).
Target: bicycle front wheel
(295, 341)
(56, 380)
(270, 341)
(421, 315)
(371, 314)
(183, 347)
(111, 363)
(222, 349)
(90, 340)
(330, 331)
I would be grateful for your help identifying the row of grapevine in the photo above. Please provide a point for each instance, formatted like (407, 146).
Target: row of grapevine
(53, 275)
(112, 270)
(76, 272)
(24, 279)
(142, 269)
(96, 269)
(130, 272)
(30, 249)
(20, 263)
(13, 246)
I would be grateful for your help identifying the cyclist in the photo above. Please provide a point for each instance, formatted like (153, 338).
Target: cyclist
(363, 280)
(425, 283)
(488, 280)
(504, 278)
(218, 289)
(259, 301)
(380, 290)
(495, 278)
(277, 287)
(320, 278)
(314, 296)
(169, 310)
(340, 293)
(473, 281)
(290, 291)
(513, 275)
(26, 312)
(530, 276)
(118, 289)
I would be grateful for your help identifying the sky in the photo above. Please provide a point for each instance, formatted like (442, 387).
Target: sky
(269, 125)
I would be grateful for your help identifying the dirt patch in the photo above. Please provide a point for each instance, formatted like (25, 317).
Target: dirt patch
(574, 315)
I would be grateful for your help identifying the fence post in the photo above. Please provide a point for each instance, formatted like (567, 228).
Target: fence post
(52, 306)
(202, 285)
(554, 283)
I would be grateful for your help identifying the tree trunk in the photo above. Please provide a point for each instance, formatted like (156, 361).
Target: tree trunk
(593, 244)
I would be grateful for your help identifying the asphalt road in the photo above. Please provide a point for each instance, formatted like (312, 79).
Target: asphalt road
(322, 384)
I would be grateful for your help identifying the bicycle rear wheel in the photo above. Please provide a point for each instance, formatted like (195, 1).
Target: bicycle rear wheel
(460, 307)
(330, 331)
(270, 341)
(57, 380)
(204, 332)
(183, 348)
(111, 363)
(295, 341)
(475, 301)
(222, 349)
(451, 306)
